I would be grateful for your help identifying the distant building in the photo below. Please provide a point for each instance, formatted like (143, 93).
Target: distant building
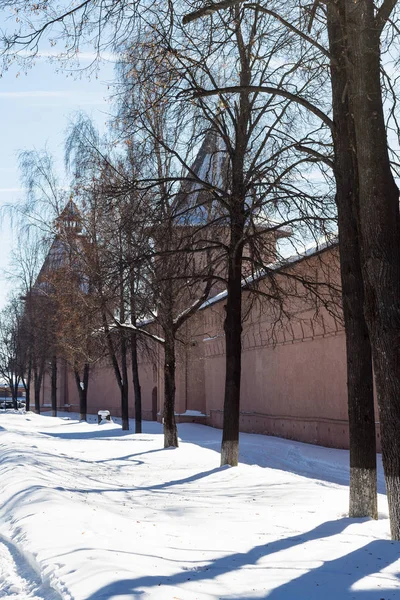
(5, 391)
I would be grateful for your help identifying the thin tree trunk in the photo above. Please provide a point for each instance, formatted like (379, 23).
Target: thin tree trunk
(363, 482)
(14, 394)
(136, 384)
(27, 386)
(124, 408)
(121, 377)
(82, 390)
(54, 386)
(380, 236)
(38, 376)
(170, 430)
(124, 386)
(26, 392)
(83, 408)
(28, 398)
(134, 359)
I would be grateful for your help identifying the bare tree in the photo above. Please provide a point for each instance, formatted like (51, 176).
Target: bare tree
(26, 261)
(77, 314)
(379, 227)
(93, 169)
(355, 30)
(171, 284)
(11, 351)
(260, 143)
(363, 479)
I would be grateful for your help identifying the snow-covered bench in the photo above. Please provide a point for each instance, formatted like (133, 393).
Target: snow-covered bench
(103, 416)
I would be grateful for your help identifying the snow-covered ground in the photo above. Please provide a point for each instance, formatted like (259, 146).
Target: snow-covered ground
(89, 512)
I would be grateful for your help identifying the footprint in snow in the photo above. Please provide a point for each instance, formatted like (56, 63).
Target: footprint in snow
(18, 579)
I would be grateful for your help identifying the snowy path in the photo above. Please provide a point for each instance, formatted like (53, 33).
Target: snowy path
(99, 514)
(18, 579)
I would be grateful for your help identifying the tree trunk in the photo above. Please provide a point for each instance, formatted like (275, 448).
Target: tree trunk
(14, 394)
(380, 236)
(233, 361)
(27, 395)
(124, 407)
(122, 378)
(124, 387)
(54, 386)
(136, 384)
(233, 317)
(170, 430)
(38, 376)
(134, 358)
(363, 483)
(82, 391)
(27, 386)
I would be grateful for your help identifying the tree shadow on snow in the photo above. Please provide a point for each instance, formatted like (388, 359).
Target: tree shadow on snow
(101, 433)
(146, 488)
(283, 454)
(128, 457)
(332, 580)
(264, 451)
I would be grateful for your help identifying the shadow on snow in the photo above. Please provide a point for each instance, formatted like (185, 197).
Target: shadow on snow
(332, 580)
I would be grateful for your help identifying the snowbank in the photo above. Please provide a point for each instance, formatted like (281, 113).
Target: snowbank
(95, 513)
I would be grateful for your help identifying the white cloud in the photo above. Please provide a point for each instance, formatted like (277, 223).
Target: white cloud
(34, 94)
(68, 96)
(78, 56)
(11, 190)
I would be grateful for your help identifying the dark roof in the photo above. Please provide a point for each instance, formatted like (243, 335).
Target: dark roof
(194, 203)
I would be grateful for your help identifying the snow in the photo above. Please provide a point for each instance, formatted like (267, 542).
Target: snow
(137, 327)
(103, 413)
(96, 513)
(221, 296)
(191, 413)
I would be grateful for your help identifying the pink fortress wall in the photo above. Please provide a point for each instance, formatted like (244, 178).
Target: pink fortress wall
(293, 378)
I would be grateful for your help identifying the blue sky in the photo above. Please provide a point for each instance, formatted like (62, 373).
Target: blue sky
(35, 110)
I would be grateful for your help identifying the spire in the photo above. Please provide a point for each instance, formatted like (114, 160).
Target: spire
(70, 218)
(194, 200)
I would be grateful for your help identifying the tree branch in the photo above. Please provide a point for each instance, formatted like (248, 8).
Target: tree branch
(383, 14)
(289, 26)
(186, 314)
(130, 327)
(24, 40)
(237, 89)
(315, 154)
(209, 9)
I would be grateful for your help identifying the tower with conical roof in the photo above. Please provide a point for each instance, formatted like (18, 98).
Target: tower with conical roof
(70, 218)
(196, 202)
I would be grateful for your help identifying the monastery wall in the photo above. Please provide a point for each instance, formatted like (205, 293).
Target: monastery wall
(293, 362)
